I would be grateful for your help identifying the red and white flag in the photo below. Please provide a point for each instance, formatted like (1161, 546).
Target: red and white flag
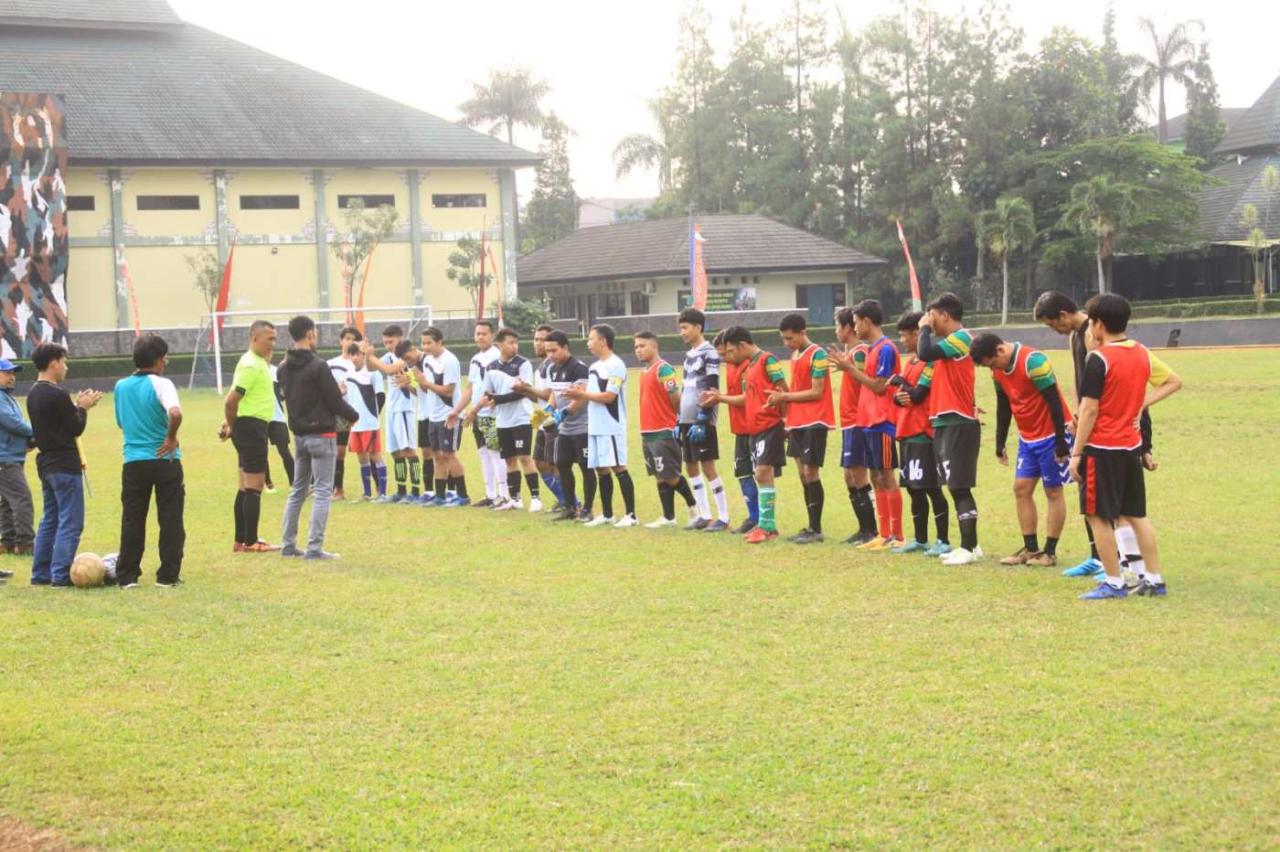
(917, 303)
(697, 269)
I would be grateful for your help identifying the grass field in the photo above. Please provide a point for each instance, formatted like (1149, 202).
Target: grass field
(463, 678)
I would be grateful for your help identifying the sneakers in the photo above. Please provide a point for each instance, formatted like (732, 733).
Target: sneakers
(807, 536)
(598, 521)
(910, 547)
(5, 575)
(938, 548)
(716, 526)
(455, 502)
(1105, 591)
(745, 527)
(291, 553)
(257, 547)
(483, 504)
(435, 502)
(859, 538)
(1091, 567)
(759, 535)
(568, 515)
(698, 524)
(873, 543)
(385, 498)
(1042, 560)
(627, 521)
(508, 505)
(1150, 590)
(320, 555)
(960, 556)
(535, 505)
(877, 544)
(172, 584)
(661, 523)
(1019, 558)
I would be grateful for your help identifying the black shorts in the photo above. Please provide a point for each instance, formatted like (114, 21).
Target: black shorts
(249, 436)
(956, 446)
(278, 433)
(662, 457)
(769, 447)
(706, 450)
(544, 446)
(424, 434)
(443, 439)
(343, 437)
(1112, 484)
(571, 449)
(515, 441)
(919, 465)
(808, 445)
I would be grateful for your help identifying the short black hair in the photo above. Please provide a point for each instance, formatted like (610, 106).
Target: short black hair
(351, 330)
(646, 335)
(1052, 304)
(984, 346)
(300, 325)
(1109, 309)
(910, 320)
(949, 304)
(606, 331)
(353, 348)
(559, 338)
(45, 354)
(505, 332)
(719, 341)
(544, 327)
(403, 347)
(486, 323)
(260, 325)
(793, 322)
(736, 334)
(693, 316)
(433, 332)
(393, 330)
(869, 309)
(845, 317)
(148, 350)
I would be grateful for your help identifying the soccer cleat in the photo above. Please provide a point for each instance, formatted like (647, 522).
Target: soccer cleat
(261, 547)
(807, 536)
(716, 526)
(323, 555)
(598, 521)
(1042, 560)
(698, 524)
(759, 535)
(661, 523)
(435, 502)
(1091, 567)
(938, 548)
(508, 505)
(873, 543)
(384, 498)
(535, 505)
(482, 504)
(1019, 558)
(858, 539)
(455, 502)
(1105, 591)
(960, 556)
(4, 575)
(910, 547)
(745, 527)
(171, 584)
(627, 521)
(132, 585)
(1150, 590)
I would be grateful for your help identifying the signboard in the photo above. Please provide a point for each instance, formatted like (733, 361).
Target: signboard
(726, 299)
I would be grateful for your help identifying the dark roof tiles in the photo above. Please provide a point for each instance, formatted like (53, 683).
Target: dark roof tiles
(1258, 129)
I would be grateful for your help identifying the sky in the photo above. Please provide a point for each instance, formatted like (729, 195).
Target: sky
(605, 61)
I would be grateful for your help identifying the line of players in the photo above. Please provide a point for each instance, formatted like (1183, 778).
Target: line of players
(563, 425)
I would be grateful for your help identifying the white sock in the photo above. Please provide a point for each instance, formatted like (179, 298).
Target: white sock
(722, 500)
(1127, 544)
(1116, 582)
(499, 471)
(700, 496)
(492, 481)
(1154, 579)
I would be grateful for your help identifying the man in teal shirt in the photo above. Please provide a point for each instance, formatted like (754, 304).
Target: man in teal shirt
(148, 413)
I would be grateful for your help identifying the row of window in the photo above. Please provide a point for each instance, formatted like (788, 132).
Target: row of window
(725, 280)
(279, 202)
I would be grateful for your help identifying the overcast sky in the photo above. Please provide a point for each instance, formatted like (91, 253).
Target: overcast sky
(605, 60)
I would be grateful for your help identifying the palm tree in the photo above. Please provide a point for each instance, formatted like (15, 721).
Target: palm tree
(1174, 59)
(510, 97)
(642, 151)
(1010, 227)
(1097, 207)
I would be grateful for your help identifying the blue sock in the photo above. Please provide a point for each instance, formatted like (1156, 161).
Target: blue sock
(380, 471)
(751, 493)
(553, 485)
(366, 479)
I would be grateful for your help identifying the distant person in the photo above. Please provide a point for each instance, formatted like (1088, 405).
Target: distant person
(699, 443)
(278, 431)
(57, 421)
(605, 394)
(315, 404)
(16, 510)
(340, 366)
(249, 407)
(148, 413)
(659, 415)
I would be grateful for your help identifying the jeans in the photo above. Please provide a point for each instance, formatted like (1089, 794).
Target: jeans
(60, 528)
(16, 510)
(137, 479)
(314, 459)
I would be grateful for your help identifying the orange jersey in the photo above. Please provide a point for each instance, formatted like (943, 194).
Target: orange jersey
(733, 386)
(953, 374)
(806, 366)
(1030, 374)
(914, 419)
(850, 389)
(656, 384)
(876, 409)
(763, 372)
(1127, 370)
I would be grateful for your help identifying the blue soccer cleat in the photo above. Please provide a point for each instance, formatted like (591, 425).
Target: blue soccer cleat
(455, 502)
(938, 548)
(1105, 591)
(1150, 590)
(1091, 567)
(910, 547)
(436, 502)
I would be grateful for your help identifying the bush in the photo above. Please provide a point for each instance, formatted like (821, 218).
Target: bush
(525, 315)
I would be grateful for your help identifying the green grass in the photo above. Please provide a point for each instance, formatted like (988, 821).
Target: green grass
(468, 679)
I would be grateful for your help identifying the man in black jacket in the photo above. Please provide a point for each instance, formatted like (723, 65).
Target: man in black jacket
(315, 405)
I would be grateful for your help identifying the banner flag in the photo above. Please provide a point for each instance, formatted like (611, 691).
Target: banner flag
(917, 304)
(697, 268)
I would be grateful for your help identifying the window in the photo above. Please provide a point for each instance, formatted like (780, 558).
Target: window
(613, 304)
(639, 304)
(268, 202)
(369, 201)
(168, 202)
(466, 199)
(80, 202)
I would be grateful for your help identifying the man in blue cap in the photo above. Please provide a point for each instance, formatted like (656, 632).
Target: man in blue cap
(16, 511)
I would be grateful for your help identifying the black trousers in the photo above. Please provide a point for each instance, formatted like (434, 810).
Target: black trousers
(137, 479)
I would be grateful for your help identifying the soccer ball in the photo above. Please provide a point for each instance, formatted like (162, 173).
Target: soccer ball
(87, 571)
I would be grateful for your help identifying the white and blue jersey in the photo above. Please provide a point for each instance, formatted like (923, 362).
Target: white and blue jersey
(443, 369)
(363, 398)
(142, 403)
(400, 400)
(610, 375)
(499, 381)
(480, 364)
(277, 395)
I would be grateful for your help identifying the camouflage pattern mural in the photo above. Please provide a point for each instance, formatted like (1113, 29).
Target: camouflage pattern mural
(33, 223)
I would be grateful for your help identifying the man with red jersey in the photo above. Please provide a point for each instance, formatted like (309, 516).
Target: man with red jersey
(761, 375)
(915, 442)
(1106, 460)
(1028, 393)
(876, 420)
(953, 413)
(850, 358)
(741, 439)
(659, 409)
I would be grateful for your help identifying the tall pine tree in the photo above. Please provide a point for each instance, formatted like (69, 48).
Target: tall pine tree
(553, 209)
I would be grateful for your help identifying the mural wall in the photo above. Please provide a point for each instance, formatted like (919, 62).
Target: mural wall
(33, 223)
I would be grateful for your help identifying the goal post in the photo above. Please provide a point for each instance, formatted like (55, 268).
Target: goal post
(215, 326)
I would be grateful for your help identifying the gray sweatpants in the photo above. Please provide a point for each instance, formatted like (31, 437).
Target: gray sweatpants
(16, 508)
(314, 459)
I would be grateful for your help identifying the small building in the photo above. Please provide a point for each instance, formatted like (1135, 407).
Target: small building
(180, 139)
(642, 268)
(594, 212)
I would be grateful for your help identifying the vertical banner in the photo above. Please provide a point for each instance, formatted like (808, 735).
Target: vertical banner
(697, 268)
(33, 223)
(224, 290)
(484, 244)
(917, 304)
(499, 296)
(123, 274)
